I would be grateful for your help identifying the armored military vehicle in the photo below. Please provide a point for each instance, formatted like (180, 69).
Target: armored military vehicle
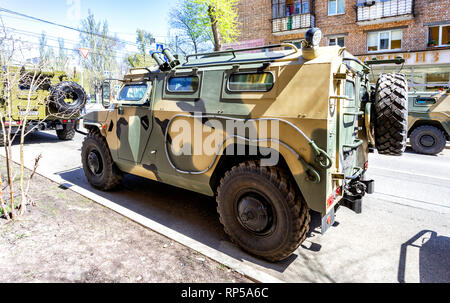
(272, 132)
(429, 121)
(53, 103)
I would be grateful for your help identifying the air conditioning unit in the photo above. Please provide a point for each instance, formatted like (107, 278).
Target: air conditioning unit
(369, 3)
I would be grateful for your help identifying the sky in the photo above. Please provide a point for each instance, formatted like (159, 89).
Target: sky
(123, 17)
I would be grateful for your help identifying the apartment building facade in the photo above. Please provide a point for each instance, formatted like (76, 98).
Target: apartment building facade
(417, 30)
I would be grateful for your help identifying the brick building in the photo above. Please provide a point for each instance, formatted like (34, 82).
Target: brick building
(417, 30)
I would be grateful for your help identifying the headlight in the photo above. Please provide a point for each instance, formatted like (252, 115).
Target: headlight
(313, 37)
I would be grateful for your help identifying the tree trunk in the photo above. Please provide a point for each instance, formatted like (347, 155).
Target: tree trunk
(215, 30)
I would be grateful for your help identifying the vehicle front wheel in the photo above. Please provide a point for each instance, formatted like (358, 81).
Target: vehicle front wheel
(261, 211)
(428, 140)
(99, 168)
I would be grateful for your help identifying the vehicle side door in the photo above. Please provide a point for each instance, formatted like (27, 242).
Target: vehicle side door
(134, 120)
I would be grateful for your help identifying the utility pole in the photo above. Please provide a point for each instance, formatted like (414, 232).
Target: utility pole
(176, 44)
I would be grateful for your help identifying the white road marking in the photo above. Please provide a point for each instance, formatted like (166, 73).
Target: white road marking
(409, 173)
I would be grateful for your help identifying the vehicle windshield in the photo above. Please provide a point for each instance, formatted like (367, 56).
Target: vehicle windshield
(132, 92)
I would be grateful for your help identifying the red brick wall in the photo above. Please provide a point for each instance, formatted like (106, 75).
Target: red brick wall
(256, 15)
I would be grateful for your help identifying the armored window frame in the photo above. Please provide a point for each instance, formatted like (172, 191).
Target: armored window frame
(142, 85)
(183, 95)
(250, 90)
(141, 102)
(183, 91)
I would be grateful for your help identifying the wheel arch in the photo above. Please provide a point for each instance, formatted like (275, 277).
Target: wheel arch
(287, 162)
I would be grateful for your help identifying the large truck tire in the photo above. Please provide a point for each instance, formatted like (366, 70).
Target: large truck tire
(68, 90)
(428, 140)
(391, 114)
(98, 165)
(261, 211)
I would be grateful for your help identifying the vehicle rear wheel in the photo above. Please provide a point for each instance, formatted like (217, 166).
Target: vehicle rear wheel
(98, 164)
(66, 134)
(428, 140)
(391, 114)
(261, 211)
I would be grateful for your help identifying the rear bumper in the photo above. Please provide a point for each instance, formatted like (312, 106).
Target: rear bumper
(355, 191)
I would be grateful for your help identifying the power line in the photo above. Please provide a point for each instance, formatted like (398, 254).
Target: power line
(65, 48)
(118, 33)
(54, 38)
(64, 26)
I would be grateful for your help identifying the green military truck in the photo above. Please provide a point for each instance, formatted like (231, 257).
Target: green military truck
(50, 100)
(272, 132)
(429, 121)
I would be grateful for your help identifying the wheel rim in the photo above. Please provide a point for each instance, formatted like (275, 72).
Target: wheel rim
(427, 141)
(255, 213)
(95, 163)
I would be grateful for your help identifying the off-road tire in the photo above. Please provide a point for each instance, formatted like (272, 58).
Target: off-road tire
(110, 176)
(434, 134)
(391, 114)
(60, 91)
(291, 214)
(66, 134)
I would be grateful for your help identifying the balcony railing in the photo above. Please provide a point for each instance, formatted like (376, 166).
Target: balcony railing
(371, 11)
(286, 25)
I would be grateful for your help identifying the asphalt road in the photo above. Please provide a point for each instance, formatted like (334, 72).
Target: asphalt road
(403, 234)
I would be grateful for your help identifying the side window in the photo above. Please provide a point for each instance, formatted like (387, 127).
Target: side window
(251, 82)
(132, 92)
(350, 89)
(186, 84)
(425, 101)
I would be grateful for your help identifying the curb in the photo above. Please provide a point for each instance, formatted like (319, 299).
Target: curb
(248, 271)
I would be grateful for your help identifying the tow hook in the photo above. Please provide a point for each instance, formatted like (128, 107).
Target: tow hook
(354, 193)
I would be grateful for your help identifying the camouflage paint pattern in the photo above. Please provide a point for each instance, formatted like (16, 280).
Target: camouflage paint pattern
(435, 113)
(305, 93)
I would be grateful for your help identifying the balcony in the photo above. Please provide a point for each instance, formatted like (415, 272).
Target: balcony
(381, 11)
(294, 24)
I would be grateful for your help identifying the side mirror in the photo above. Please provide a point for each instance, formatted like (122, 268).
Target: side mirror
(106, 94)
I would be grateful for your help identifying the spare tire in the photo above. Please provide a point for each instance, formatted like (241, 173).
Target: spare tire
(64, 91)
(391, 114)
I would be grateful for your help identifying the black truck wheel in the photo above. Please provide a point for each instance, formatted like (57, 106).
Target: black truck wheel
(261, 211)
(68, 91)
(66, 134)
(98, 164)
(428, 140)
(391, 114)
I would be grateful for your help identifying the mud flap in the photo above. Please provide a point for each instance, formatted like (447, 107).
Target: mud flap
(328, 221)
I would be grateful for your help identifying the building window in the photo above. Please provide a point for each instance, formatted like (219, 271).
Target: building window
(297, 43)
(336, 7)
(384, 41)
(336, 41)
(439, 35)
(286, 8)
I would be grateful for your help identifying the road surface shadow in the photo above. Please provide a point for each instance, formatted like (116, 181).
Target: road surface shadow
(37, 138)
(186, 212)
(434, 259)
